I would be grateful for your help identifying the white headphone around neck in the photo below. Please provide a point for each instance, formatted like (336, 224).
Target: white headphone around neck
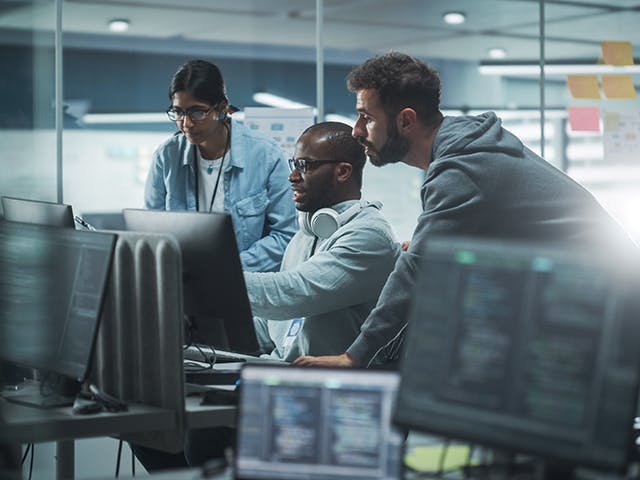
(326, 221)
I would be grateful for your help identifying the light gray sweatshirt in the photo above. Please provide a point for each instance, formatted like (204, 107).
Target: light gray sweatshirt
(332, 290)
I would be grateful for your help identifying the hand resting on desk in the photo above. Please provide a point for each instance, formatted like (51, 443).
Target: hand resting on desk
(325, 361)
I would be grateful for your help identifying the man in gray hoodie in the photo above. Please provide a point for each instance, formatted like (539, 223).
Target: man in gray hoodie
(480, 181)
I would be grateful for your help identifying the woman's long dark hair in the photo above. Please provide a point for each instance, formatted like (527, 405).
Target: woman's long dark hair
(200, 78)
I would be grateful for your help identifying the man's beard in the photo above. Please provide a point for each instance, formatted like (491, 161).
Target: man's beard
(393, 151)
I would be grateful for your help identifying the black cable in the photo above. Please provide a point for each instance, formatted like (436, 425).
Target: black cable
(189, 331)
(209, 359)
(26, 452)
(133, 462)
(118, 459)
(443, 456)
(31, 462)
(467, 467)
(205, 358)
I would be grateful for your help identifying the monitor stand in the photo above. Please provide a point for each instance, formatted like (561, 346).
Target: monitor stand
(49, 393)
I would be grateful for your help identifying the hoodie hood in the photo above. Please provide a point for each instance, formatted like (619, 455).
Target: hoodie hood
(474, 134)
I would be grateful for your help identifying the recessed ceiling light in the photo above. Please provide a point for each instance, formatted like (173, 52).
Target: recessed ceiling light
(454, 18)
(497, 53)
(119, 25)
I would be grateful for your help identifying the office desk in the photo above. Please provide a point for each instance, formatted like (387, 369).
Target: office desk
(203, 416)
(20, 424)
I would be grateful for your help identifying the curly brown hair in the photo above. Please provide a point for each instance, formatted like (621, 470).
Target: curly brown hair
(401, 81)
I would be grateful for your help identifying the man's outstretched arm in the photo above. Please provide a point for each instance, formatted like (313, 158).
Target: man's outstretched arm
(343, 360)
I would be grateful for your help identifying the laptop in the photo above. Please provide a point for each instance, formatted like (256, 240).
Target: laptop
(317, 423)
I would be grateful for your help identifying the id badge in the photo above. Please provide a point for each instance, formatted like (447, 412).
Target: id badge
(294, 328)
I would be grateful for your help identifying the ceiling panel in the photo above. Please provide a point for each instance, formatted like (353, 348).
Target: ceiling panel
(574, 29)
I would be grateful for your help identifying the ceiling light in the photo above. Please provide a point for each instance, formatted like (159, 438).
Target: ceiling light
(277, 101)
(454, 18)
(533, 69)
(119, 25)
(111, 118)
(497, 53)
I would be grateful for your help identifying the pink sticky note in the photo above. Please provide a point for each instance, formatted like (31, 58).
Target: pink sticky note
(584, 119)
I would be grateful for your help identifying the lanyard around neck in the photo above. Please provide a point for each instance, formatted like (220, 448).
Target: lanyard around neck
(215, 188)
(197, 167)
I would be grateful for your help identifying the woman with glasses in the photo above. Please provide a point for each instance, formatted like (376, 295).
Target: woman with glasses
(216, 164)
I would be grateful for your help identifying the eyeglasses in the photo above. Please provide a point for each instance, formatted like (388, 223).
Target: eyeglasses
(196, 114)
(302, 164)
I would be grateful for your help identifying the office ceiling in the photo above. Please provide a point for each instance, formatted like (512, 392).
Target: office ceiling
(573, 29)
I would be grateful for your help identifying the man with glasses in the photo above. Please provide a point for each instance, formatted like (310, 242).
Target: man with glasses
(332, 271)
(334, 267)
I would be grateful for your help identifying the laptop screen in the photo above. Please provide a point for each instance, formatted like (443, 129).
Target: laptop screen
(302, 423)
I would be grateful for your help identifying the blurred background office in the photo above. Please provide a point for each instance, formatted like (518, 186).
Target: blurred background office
(84, 84)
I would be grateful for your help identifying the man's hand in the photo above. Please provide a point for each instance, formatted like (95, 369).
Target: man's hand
(343, 360)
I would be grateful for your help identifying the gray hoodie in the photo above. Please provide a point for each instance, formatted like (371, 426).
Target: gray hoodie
(482, 181)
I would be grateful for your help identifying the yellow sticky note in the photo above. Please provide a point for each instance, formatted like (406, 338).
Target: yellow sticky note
(617, 53)
(429, 458)
(583, 86)
(618, 86)
(611, 121)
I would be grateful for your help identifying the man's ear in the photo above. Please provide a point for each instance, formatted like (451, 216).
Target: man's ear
(406, 120)
(343, 171)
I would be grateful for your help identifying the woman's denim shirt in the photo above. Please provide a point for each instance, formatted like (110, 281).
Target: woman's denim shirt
(256, 192)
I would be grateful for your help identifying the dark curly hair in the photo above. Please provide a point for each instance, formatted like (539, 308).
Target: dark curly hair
(401, 82)
(343, 146)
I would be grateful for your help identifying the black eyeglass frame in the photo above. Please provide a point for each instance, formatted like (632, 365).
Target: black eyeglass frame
(302, 164)
(180, 114)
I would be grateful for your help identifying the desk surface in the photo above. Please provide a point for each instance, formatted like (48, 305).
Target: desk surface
(24, 424)
(201, 416)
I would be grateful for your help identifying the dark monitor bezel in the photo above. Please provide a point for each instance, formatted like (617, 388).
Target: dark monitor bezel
(62, 365)
(39, 212)
(437, 416)
(211, 272)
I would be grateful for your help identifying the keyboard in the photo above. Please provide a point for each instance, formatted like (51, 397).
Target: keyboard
(205, 354)
(225, 370)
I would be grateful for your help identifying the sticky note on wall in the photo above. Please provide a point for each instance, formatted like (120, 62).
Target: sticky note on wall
(584, 119)
(618, 86)
(617, 53)
(583, 86)
(611, 121)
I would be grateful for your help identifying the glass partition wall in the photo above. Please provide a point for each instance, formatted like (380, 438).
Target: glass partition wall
(28, 138)
(118, 59)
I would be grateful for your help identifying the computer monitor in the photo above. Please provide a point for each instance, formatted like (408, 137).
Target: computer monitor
(215, 294)
(105, 220)
(317, 423)
(38, 212)
(51, 294)
(525, 348)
